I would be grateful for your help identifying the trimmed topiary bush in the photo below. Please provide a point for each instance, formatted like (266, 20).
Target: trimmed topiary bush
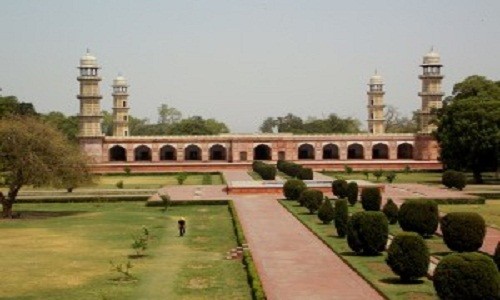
(339, 188)
(408, 256)
(390, 176)
(367, 232)
(454, 179)
(467, 276)
(420, 216)
(391, 210)
(352, 192)
(341, 217)
(293, 188)
(496, 256)
(266, 171)
(306, 174)
(463, 231)
(371, 199)
(326, 212)
(311, 199)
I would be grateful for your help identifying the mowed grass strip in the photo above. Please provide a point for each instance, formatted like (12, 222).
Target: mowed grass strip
(150, 181)
(372, 268)
(401, 177)
(63, 251)
(490, 211)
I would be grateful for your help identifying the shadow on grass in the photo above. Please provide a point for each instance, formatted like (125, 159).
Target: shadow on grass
(137, 256)
(30, 215)
(398, 281)
(441, 253)
(352, 253)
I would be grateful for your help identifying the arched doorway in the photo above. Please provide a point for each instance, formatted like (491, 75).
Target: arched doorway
(380, 151)
(142, 153)
(217, 152)
(405, 151)
(330, 151)
(306, 151)
(117, 153)
(192, 152)
(355, 151)
(168, 152)
(262, 152)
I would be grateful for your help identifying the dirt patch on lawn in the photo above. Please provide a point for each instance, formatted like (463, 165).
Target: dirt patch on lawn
(198, 283)
(380, 267)
(198, 266)
(35, 215)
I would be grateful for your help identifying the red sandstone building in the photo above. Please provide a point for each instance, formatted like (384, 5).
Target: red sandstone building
(372, 150)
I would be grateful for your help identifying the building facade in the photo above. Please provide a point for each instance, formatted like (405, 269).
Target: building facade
(373, 150)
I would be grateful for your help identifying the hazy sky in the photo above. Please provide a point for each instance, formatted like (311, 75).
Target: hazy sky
(241, 61)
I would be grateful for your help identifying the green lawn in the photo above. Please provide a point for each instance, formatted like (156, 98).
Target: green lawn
(490, 211)
(411, 177)
(152, 181)
(63, 252)
(374, 269)
(401, 177)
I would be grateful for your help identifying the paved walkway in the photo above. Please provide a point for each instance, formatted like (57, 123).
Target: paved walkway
(291, 261)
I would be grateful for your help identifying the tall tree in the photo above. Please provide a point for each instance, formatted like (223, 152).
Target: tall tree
(33, 152)
(66, 124)
(10, 105)
(196, 125)
(469, 127)
(396, 123)
(168, 115)
(294, 124)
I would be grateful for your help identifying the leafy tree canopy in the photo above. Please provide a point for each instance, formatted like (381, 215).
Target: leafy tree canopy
(33, 152)
(469, 127)
(295, 124)
(10, 105)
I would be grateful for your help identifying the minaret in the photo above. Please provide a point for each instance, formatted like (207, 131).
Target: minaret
(376, 105)
(120, 106)
(90, 116)
(431, 93)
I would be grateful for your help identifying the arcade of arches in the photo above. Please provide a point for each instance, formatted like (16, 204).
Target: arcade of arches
(220, 152)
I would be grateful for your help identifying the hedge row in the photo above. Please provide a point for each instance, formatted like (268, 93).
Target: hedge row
(454, 201)
(83, 199)
(252, 275)
(266, 171)
(295, 170)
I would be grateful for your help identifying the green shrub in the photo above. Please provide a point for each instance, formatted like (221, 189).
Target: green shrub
(279, 164)
(341, 217)
(463, 231)
(311, 199)
(390, 176)
(306, 174)
(420, 216)
(454, 179)
(407, 169)
(371, 198)
(119, 184)
(408, 256)
(348, 169)
(325, 211)
(266, 171)
(127, 170)
(289, 168)
(293, 188)
(467, 276)
(339, 188)
(367, 174)
(181, 177)
(378, 174)
(391, 210)
(352, 192)
(367, 232)
(165, 200)
(496, 256)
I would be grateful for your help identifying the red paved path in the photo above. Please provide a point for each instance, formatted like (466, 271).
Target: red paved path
(291, 261)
